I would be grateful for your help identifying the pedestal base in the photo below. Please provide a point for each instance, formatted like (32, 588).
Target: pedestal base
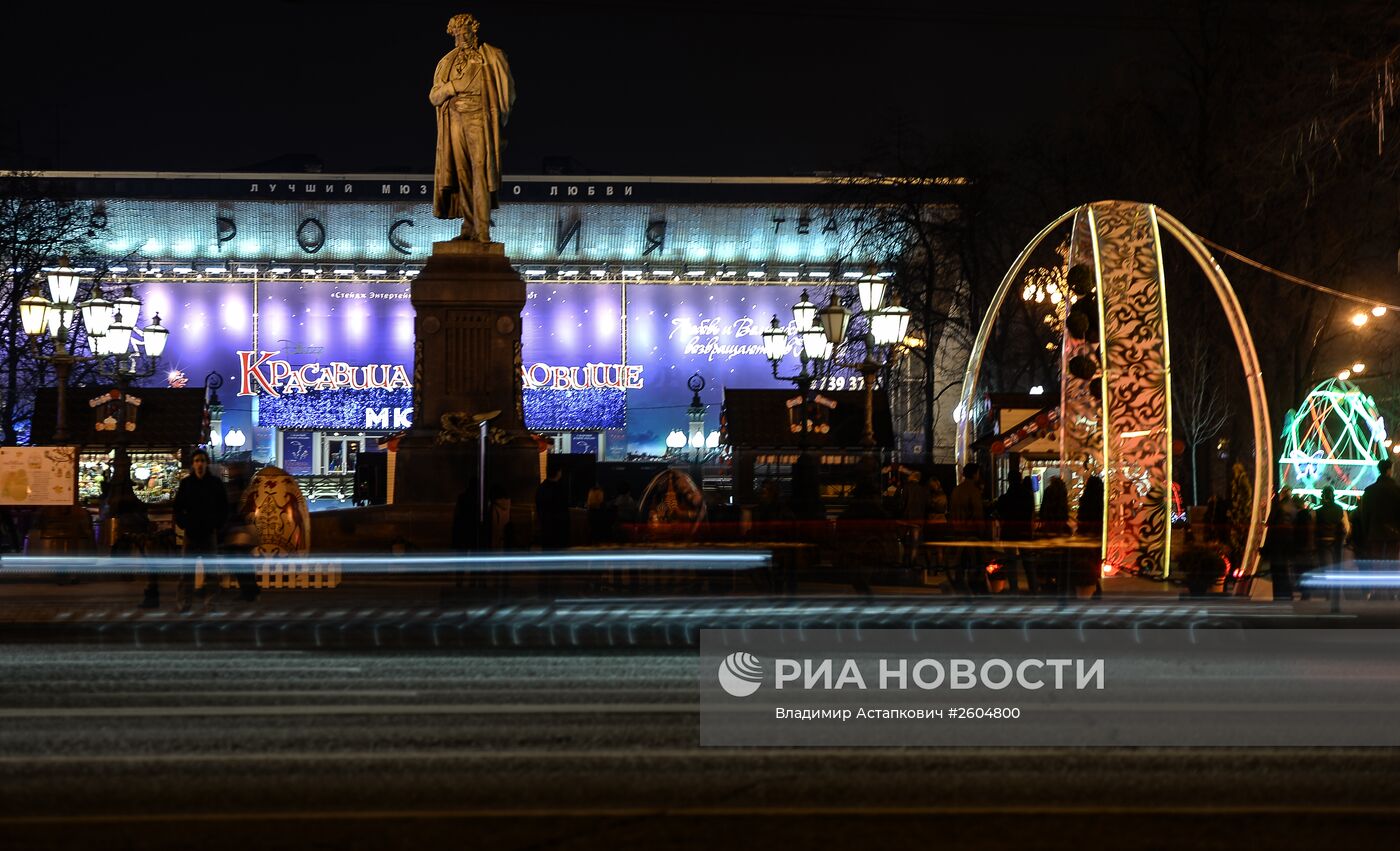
(467, 303)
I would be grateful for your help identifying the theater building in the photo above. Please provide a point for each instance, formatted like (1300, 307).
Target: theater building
(291, 291)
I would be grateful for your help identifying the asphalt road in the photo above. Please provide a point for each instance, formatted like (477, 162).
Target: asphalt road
(232, 748)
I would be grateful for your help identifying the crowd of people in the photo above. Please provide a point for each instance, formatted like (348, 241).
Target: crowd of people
(1302, 536)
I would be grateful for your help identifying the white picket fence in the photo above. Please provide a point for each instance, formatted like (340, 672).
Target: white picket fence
(291, 574)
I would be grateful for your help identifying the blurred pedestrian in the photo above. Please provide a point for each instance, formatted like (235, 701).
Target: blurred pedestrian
(1330, 529)
(1050, 565)
(499, 527)
(601, 517)
(1086, 571)
(937, 501)
(239, 532)
(1015, 512)
(466, 526)
(1304, 547)
(552, 509)
(967, 516)
(913, 516)
(863, 535)
(626, 510)
(1280, 542)
(1376, 524)
(200, 507)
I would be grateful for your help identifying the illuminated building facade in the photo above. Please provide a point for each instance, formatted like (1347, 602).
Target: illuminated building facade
(294, 290)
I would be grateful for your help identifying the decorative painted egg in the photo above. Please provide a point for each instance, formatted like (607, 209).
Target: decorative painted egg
(1334, 438)
(274, 506)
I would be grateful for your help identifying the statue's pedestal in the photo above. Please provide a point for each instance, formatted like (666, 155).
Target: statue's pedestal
(467, 302)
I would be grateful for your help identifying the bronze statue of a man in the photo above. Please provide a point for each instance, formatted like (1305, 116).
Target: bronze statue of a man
(473, 93)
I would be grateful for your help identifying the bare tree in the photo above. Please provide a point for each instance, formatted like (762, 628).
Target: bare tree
(1199, 404)
(35, 232)
(909, 227)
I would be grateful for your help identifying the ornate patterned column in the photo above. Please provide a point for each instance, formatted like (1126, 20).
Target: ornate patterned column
(1136, 394)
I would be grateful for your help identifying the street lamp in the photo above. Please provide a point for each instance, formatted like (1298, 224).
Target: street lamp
(235, 439)
(109, 335)
(112, 349)
(822, 331)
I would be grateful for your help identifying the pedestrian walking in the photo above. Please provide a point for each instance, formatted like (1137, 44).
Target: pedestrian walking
(1280, 541)
(1376, 530)
(967, 516)
(1330, 530)
(1051, 564)
(937, 501)
(1087, 569)
(913, 516)
(201, 505)
(1015, 512)
(1304, 546)
(601, 517)
(552, 508)
(625, 510)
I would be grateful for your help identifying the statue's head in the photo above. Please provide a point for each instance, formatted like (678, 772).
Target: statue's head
(464, 25)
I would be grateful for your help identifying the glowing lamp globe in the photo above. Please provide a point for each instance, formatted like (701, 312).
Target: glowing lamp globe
(34, 314)
(129, 306)
(155, 336)
(97, 314)
(118, 336)
(889, 325)
(834, 318)
(872, 293)
(774, 342)
(63, 284)
(804, 312)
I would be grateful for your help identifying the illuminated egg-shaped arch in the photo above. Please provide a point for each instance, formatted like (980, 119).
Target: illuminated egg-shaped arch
(1335, 438)
(1126, 435)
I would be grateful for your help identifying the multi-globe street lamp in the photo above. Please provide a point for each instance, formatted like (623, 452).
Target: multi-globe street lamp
(824, 330)
(112, 349)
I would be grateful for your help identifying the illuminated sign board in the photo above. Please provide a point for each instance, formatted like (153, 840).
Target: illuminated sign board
(321, 355)
(613, 376)
(281, 377)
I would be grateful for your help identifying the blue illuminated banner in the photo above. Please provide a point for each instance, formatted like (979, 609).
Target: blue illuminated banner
(375, 410)
(338, 354)
(595, 409)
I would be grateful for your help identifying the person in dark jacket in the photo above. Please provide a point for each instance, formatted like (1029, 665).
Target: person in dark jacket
(863, 532)
(201, 506)
(1331, 529)
(1087, 571)
(1280, 542)
(967, 516)
(1376, 530)
(552, 508)
(466, 526)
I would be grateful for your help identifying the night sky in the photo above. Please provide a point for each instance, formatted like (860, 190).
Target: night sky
(616, 87)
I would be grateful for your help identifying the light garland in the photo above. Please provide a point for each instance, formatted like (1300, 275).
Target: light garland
(329, 409)
(1335, 438)
(594, 409)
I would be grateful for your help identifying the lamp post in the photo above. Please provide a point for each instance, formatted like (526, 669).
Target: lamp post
(112, 348)
(695, 414)
(812, 348)
(824, 330)
(215, 411)
(58, 314)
